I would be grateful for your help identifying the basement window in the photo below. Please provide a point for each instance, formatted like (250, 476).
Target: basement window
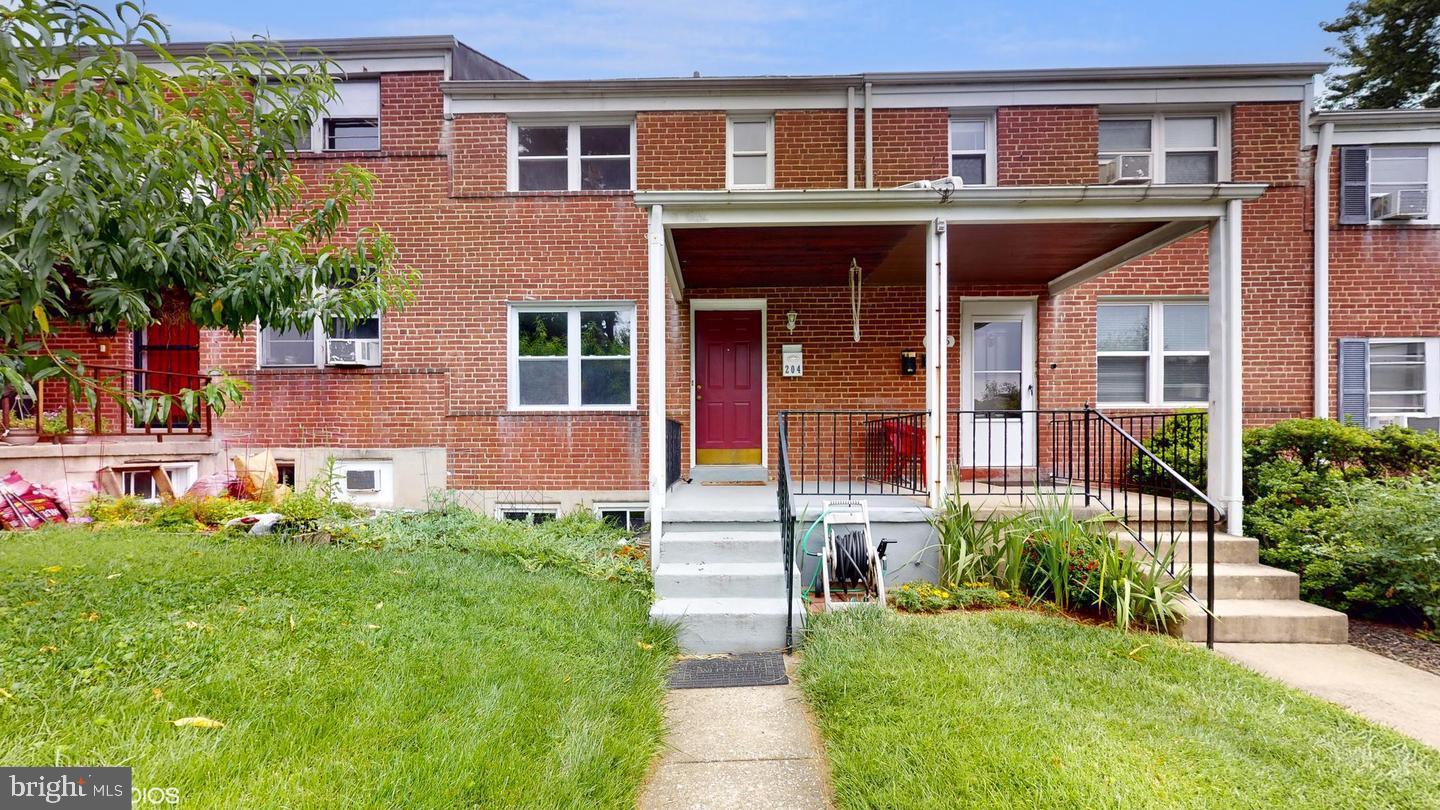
(527, 513)
(633, 518)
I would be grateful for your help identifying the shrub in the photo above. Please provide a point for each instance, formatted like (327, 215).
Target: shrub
(111, 509)
(925, 597)
(1180, 442)
(975, 549)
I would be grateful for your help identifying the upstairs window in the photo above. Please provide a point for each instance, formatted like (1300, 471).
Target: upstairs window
(1152, 353)
(351, 122)
(750, 146)
(572, 157)
(1389, 185)
(1182, 148)
(971, 154)
(572, 357)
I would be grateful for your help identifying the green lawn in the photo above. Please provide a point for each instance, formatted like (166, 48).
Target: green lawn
(1014, 709)
(343, 677)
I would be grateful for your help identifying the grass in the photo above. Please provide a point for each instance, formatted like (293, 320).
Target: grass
(344, 676)
(1013, 709)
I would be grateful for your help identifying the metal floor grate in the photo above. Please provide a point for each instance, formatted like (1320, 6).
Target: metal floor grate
(750, 669)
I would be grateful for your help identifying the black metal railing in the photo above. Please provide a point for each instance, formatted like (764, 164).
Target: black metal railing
(672, 452)
(855, 452)
(786, 503)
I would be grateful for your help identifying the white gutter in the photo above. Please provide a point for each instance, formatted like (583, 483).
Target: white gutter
(960, 197)
(850, 138)
(1321, 225)
(869, 140)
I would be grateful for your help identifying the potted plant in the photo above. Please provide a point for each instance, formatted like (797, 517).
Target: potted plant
(21, 431)
(78, 433)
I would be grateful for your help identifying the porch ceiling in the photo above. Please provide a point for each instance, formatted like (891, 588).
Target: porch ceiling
(1021, 253)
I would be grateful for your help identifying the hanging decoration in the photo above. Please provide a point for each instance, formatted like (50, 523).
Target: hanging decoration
(855, 298)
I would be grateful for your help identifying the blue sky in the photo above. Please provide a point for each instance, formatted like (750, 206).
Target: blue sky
(564, 39)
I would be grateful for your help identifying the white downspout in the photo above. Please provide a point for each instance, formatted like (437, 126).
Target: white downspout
(869, 142)
(1321, 224)
(850, 138)
(655, 387)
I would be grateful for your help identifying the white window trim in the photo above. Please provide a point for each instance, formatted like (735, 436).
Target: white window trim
(319, 335)
(551, 509)
(317, 128)
(572, 151)
(622, 506)
(1432, 379)
(572, 355)
(769, 121)
(1432, 184)
(991, 150)
(172, 469)
(1155, 354)
(1158, 148)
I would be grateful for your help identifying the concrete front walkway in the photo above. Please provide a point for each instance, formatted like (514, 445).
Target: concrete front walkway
(750, 747)
(1375, 687)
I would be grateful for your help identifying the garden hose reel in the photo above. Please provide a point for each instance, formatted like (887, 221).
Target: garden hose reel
(850, 561)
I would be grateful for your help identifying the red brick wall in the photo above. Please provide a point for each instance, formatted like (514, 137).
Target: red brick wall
(1384, 280)
(411, 113)
(1047, 145)
(810, 149)
(909, 145)
(680, 150)
(478, 160)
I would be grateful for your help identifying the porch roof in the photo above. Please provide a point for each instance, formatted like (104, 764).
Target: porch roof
(1031, 235)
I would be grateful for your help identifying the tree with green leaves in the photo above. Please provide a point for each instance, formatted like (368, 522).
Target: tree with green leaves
(1389, 55)
(137, 186)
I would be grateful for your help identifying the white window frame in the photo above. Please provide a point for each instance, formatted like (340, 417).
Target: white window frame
(1432, 183)
(1432, 379)
(572, 352)
(992, 169)
(319, 335)
(1159, 148)
(573, 174)
(1155, 354)
(187, 471)
(551, 509)
(623, 506)
(319, 126)
(768, 120)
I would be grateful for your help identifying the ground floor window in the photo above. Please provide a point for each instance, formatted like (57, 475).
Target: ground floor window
(572, 357)
(527, 513)
(343, 344)
(630, 517)
(1152, 352)
(1404, 378)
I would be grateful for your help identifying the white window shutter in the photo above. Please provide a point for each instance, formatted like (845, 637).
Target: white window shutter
(1354, 378)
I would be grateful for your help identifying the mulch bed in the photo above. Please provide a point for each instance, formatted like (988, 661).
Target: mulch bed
(1395, 642)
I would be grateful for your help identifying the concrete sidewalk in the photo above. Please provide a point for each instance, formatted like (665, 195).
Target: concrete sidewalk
(750, 747)
(1375, 687)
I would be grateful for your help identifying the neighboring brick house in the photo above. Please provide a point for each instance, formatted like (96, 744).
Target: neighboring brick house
(570, 233)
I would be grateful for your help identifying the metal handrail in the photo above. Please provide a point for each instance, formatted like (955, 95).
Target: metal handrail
(1158, 461)
(202, 425)
(786, 504)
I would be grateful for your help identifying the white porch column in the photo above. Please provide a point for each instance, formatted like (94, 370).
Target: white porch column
(937, 283)
(655, 386)
(1226, 398)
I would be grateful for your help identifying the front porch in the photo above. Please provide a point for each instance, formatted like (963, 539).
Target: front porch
(829, 306)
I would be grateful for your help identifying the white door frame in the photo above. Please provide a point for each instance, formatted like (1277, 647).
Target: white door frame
(736, 304)
(974, 308)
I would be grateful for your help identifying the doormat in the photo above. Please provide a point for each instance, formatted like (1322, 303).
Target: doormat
(733, 483)
(749, 669)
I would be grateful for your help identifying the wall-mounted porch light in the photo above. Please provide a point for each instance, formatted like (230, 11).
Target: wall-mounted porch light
(791, 318)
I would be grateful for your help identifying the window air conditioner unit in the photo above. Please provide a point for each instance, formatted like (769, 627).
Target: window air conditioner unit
(352, 352)
(1126, 169)
(362, 481)
(1405, 203)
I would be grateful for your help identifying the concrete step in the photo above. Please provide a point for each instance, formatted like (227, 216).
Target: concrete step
(1229, 548)
(1273, 621)
(720, 546)
(728, 625)
(722, 473)
(1246, 581)
(687, 522)
(756, 580)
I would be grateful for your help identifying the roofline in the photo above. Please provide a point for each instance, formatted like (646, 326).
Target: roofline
(961, 197)
(1386, 117)
(333, 46)
(1302, 72)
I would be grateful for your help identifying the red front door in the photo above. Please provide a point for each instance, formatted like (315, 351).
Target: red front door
(169, 354)
(729, 387)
